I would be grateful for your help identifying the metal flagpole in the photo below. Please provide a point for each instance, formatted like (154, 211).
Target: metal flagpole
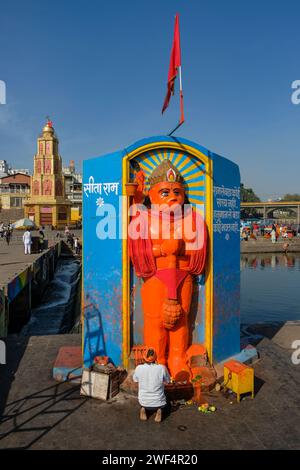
(181, 97)
(181, 104)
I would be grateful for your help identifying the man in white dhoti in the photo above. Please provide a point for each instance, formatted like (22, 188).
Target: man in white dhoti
(27, 242)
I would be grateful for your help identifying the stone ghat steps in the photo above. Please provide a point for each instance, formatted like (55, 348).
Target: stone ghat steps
(266, 246)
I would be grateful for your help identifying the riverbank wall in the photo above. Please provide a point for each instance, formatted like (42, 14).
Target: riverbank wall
(266, 246)
(22, 288)
(58, 312)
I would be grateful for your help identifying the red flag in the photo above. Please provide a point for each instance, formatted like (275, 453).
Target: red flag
(175, 64)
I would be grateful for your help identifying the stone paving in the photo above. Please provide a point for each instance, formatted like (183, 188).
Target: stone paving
(38, 413)
(13, 259)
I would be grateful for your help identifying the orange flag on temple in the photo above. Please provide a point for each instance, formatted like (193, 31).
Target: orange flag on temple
(174, 69)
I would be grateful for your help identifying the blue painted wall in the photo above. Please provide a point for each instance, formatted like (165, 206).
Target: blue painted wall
(226, 258)
(102, 263)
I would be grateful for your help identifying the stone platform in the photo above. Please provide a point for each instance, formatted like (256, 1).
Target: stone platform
(39, 413)
(68, 363)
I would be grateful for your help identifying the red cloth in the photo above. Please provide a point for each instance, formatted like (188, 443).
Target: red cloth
(198, 256)
(172, 278)
(175, 62)
(140, 250)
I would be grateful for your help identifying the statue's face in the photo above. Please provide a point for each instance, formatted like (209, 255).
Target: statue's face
(167, 193)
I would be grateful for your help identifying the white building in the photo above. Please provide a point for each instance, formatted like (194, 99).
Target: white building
(14, 171)
(6, 170)
(3, 168)
(73, 189)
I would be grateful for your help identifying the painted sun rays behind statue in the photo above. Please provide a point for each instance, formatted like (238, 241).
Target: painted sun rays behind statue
(192, 170)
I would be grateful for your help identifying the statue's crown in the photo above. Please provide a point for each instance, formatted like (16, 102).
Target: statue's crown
(165, 172)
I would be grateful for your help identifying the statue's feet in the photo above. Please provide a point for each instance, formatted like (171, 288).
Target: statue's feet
(179, 369)
(182, 376)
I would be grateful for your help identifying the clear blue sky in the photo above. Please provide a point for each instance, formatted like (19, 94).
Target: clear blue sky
(99, 69)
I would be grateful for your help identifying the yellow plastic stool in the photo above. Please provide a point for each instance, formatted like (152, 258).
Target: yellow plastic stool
(239, 378)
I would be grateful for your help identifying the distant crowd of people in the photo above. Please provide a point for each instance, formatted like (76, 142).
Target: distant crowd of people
(273, 231)
(6, 232)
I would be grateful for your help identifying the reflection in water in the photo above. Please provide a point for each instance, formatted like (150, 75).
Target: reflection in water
(265, 260)
(270, 288)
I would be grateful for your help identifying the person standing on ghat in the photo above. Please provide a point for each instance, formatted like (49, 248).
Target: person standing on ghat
(27, 242)
(7, 235)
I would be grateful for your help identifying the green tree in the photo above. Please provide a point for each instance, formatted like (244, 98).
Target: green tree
(248, 195)
(291, 197)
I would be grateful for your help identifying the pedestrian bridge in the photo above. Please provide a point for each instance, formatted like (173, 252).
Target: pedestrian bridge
(268, 208)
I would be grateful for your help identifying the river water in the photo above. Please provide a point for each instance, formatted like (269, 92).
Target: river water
(270, 288)
(270, 293)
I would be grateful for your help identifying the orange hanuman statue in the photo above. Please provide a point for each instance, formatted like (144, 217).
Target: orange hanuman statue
(166, 258)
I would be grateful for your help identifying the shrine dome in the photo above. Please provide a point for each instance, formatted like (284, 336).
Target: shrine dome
(48, 127)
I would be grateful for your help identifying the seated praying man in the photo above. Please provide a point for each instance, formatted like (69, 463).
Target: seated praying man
(151, 378)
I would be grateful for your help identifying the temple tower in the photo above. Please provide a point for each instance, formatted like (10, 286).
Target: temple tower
(48, 204)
